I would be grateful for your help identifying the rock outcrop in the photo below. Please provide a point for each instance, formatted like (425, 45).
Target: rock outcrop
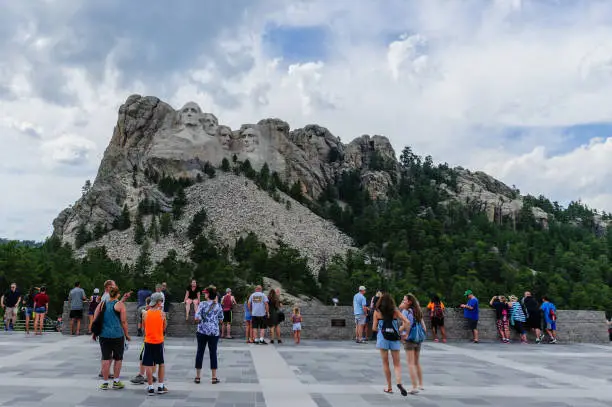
(151, 141)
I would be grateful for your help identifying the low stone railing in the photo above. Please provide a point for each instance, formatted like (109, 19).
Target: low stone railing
(337, 323)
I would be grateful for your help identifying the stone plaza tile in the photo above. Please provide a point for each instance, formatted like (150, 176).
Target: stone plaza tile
(62, 371)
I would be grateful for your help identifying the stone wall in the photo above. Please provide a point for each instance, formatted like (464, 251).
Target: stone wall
(573, 326)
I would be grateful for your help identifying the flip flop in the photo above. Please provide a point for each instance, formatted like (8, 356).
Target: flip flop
(388, 391)
(414, 391)
(402, 390)
(196, 380)
(215, 380)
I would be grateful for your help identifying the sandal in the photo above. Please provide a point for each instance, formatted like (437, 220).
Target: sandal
(215, 380)
(388, 391)
(196, 380)
(402, 390)
(414, 391)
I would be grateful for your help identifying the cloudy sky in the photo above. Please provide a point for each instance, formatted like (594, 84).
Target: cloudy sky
(521, 89)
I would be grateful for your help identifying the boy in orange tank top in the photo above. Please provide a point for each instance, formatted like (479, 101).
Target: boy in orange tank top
(154, 324)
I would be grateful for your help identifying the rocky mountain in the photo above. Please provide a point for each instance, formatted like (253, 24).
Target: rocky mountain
(167, 166)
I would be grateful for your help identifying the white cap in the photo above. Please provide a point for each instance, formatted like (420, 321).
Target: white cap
(362, 288)
(96, 291)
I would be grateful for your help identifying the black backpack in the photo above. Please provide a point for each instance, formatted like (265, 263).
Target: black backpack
(388, 331)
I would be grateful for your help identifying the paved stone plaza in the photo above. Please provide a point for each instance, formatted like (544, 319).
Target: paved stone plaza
(55, 371)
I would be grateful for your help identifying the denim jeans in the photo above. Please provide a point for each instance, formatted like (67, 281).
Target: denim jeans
(212, 342)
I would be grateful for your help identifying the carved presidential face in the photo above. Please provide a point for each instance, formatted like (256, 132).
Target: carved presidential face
(210, 123)
(250, 139)
(224, 134)
(190, 114)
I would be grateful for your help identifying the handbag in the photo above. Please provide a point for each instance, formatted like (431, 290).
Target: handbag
(417, 333)
(96, 325)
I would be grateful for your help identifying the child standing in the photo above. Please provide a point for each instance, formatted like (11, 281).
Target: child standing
(296, 319)
(154, 325)
(140, 377)
(248, 323)
(550, 318)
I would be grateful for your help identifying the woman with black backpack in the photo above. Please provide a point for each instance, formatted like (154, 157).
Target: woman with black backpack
(388, 338)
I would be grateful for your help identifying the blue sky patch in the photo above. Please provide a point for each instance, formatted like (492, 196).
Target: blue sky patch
(297, 44)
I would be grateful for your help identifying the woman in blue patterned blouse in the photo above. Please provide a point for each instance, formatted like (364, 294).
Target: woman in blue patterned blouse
(208, 317)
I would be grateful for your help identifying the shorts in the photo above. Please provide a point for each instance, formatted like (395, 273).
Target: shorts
(297, 326)
(259, 323)
(91, 313)
(360, 319)
(227, 317)
(502, 324)
(437, 322)
(412, 346)
(141, 352)
(112, 348)
(29, 311)
(153, 354)
(40, 310)
(533, 322)
(384, 344)
(248, 317)
(472, 324)
(551, 325)
(518, 327)
(10, 313)
(76, 314)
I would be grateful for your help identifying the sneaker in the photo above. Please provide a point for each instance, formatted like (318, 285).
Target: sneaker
(554, 341)
(279, 341)
(537, 341)
(151, 392)
(118, 385)
(263, 342)
(138, 379)
(103, 386)
(162, 390)
(436, 340)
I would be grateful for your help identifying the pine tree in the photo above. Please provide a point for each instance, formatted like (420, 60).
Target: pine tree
(123, 222)
(143, 264)
(197, 225)
(165, 224)
(225, 165)
(139, 230)
(153, 231)
(82, 236)
(99, 231)
(180, 200)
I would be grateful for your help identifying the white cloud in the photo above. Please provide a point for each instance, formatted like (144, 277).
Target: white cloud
(448, 78)
(69, 149)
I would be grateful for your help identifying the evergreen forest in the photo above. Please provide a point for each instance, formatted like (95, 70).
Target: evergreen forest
(415, 241)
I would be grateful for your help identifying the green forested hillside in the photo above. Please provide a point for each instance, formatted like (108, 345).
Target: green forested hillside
(415, 241)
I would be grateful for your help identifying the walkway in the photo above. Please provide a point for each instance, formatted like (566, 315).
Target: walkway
(56, 371)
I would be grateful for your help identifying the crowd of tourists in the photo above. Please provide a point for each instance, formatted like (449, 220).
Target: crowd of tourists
(395, 327)
(211, 312)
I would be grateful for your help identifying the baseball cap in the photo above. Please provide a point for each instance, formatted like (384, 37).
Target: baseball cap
(96, 291)
(467, 292)
(156, 298)
(362, 288)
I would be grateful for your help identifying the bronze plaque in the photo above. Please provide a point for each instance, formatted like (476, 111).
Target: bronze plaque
(338, 322)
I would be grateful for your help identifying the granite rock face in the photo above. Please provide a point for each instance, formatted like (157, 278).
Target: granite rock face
(150, 137)
(152, 140)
